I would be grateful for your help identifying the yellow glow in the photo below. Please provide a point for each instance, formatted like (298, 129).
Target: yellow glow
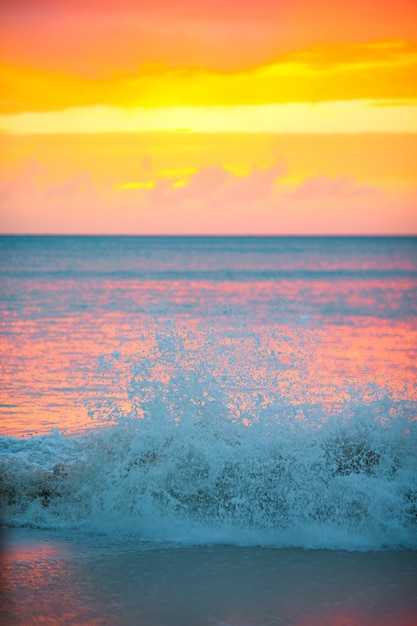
(361, 72)
(323, 117)
(182, 171)
(135, 186)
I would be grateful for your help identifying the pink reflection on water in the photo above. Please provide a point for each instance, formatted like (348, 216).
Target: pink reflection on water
(63, 370)
(38, 585)
(29, 552)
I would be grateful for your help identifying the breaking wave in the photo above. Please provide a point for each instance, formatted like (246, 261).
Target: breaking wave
(205, 447)
(348, 483)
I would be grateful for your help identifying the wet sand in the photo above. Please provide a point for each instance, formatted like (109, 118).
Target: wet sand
(52, 578)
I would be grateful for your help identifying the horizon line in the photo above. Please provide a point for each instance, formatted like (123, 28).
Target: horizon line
(211, 235)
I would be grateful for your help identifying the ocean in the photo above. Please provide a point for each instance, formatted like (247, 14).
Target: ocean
(208, 430)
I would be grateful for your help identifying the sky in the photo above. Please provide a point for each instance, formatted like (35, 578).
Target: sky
(208, 117)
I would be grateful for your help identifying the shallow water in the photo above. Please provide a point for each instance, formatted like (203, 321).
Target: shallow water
(52, 578)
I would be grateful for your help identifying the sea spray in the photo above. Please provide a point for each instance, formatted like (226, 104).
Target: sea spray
(350, 483)
(245, 391)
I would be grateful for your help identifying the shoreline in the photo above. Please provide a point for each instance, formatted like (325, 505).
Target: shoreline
(59, 577)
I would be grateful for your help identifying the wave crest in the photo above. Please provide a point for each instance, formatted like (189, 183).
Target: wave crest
(346, 484)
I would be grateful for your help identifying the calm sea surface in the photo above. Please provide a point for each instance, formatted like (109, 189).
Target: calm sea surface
(258, 393)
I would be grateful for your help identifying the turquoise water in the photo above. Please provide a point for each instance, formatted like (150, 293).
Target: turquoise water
(246, 390)
(228, 414)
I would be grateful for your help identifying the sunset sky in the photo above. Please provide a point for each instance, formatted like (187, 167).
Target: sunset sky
(208, 116)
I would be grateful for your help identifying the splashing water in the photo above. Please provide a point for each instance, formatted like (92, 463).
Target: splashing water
(202, 452)
(214, 391)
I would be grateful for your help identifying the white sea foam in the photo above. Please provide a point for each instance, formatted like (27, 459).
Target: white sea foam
(349, 484)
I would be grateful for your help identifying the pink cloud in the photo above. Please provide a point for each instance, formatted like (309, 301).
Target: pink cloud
(325, 187)
(213, 201)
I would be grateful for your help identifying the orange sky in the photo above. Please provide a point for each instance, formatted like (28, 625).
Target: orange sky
(266, 117)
